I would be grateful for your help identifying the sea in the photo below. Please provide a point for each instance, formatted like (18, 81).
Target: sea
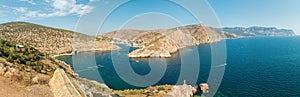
(257, 66)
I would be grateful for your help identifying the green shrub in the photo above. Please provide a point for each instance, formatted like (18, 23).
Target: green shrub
(160, 88)
(30, 57)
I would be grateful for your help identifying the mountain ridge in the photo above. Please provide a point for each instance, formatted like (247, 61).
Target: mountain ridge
(259, 31)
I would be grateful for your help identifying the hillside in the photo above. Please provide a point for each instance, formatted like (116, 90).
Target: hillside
(164, 42)
(49, 40)
(27, 72)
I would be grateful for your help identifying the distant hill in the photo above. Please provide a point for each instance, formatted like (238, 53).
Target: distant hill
(163, 42)
(259, 31)
(46, 39)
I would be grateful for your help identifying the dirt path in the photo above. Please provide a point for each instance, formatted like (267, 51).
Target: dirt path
(10, 89)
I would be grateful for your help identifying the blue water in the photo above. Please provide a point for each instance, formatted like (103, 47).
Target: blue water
(262, 66)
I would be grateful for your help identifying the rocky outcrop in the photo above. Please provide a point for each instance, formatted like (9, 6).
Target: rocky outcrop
(62, 86)
(162, 48)
(3, 69)
(204, 87)
(93, 88)
(10, 72)
(181, 91)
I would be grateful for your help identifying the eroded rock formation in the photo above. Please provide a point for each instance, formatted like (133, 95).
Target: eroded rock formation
(62, 86)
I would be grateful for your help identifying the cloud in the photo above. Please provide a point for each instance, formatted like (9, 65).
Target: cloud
(47, 1)
(29, 1)
(58, 8)
(94, 0)
(21, 9)
(70, 7)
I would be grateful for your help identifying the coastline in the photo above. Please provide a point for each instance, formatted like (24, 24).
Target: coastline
(101, 50)
(143, 90)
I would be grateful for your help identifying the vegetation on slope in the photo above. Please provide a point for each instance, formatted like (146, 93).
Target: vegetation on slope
(30, 58)
(46, 39)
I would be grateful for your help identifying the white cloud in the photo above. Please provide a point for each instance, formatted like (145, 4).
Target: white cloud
(70, 7)
(94, 0)
(58, 8)
(21, 9)
(63, 4)
(47, 1)
(29, 1)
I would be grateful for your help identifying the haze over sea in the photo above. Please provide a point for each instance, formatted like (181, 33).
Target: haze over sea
(255, 67)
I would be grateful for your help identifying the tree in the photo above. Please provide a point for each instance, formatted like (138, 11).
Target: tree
(17, 61)
(28, 63)
(32, 57)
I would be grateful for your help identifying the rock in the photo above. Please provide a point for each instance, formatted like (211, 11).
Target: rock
(8, 74)
(147, 91)
(181, 91)
(204, 87)
(14, 74)
(14, 70)
(43, 71)
(162, 92)
(62, 86)
(3, 69)
(40, 79)
(11, 72)
(195, 89)
(94, 88)
(2, 65)
(28, 69)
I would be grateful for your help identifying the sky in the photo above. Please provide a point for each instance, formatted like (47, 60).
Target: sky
(66, 14)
